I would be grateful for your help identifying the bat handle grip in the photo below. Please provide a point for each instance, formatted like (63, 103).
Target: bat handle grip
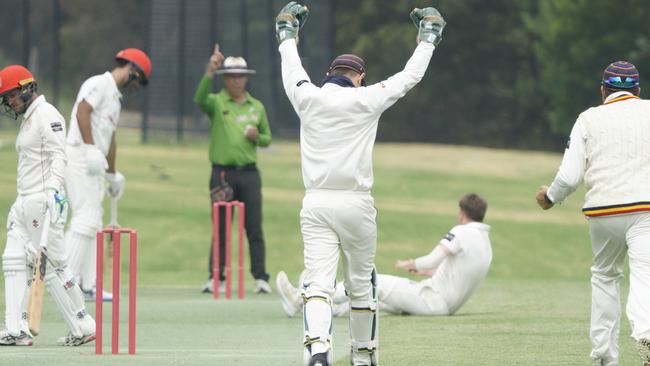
(46, 228)
(114, 212)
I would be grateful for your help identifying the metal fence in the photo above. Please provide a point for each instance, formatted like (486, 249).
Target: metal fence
(65, 42)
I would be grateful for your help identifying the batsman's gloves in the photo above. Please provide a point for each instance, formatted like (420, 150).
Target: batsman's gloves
(289, 21)
(429, 23)
(116, 183)
(30, 254)
(95, 161)
(57, 203)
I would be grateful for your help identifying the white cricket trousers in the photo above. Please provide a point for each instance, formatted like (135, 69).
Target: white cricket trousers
(24, 229)
(85, 194)
(334, 222)
(612, 237)
(398, 295)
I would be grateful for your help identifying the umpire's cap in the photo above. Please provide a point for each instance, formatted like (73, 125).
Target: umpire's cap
(235, 65)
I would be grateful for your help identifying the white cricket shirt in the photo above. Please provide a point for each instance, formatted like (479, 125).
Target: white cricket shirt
(41, 149)
(101, 92)
(459, 274)
(338, 125)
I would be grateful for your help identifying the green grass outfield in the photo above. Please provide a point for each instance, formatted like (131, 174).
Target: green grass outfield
(533, 309)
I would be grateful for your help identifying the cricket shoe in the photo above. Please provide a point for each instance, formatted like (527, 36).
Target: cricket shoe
(24, 339)
(291, 299)
(319, 359)
(91, 295)
(208, 288)
(72, 341)
(262, 287)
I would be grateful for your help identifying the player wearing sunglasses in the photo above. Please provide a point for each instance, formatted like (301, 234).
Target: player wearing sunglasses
(91, 150)
(609, 151)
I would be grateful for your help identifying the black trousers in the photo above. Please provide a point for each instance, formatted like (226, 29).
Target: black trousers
(247, 187)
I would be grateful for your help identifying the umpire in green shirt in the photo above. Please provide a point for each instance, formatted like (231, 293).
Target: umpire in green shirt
(238, 125)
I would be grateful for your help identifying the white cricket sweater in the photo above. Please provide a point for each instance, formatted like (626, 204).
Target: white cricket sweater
(610, 149)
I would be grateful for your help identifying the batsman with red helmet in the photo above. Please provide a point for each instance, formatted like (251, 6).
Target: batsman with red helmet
(39, 211)
(91, 148)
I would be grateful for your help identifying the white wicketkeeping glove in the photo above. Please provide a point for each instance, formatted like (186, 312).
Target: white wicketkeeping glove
(429, 23)
(289, 21)
(116, 182)
(95, 161)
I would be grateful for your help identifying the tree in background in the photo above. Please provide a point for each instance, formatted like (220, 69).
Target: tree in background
(507, 73)
(93, 31)
(576, 40)
(481, 85)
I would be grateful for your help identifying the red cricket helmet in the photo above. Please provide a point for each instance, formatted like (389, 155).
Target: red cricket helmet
(139, 59)
(16, 77)
(13, 77)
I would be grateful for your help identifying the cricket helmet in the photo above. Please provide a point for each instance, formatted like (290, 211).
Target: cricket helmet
(16, 77)
(13, 77)
(139, 59)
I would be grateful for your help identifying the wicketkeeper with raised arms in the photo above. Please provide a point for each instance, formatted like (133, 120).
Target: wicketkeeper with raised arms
(41, 163)
(338, 125)
(91, 147)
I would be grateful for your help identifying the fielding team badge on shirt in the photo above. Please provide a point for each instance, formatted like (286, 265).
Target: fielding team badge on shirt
(56, 126)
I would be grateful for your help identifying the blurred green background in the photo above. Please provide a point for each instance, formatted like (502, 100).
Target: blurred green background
(511, 74)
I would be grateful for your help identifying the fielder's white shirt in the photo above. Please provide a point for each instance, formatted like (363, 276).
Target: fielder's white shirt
(101, 92)
(41, 149)
(338, 125)
(609, 148)
(459, 274)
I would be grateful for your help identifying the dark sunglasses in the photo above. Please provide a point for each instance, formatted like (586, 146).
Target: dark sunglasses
(619, 82)
(137, 74)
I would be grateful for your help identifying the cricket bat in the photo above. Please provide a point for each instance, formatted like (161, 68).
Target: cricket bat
(37, 288)
(108, 249)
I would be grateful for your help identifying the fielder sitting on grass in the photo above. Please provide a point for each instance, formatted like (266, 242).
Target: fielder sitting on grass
(455, 268)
